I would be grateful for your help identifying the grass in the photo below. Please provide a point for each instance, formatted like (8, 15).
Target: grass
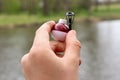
(23, 18)
(107, 11)
(113, 11)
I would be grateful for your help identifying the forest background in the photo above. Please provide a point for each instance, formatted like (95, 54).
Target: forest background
(31, 11)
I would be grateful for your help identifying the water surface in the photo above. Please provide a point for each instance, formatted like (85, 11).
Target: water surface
(100, 50)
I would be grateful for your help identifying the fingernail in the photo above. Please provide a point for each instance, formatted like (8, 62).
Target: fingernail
(73, 32)
(51, 22)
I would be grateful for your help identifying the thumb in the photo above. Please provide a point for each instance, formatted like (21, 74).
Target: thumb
(72, 52)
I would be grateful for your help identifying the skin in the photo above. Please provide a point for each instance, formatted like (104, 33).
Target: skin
(43, 61)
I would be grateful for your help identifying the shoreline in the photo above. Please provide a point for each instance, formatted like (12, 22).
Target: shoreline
(90, 19)
(11, 26)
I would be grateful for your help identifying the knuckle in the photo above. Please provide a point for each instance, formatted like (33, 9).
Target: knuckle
(33, 53)
(33, 50)
(24, 59)
(77, 43)
(25, 64)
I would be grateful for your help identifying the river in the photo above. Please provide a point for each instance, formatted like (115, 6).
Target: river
(100, 51)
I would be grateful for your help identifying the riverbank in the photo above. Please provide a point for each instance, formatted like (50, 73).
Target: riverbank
(26, 20)
(20, 20)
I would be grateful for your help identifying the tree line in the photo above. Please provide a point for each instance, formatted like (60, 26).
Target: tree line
(46, 6)
(34, 6)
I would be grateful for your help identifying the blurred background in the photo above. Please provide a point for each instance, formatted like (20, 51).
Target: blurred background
(97, 23)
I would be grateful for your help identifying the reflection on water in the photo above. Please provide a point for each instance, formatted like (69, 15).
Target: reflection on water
(100, 50)
(13, 45)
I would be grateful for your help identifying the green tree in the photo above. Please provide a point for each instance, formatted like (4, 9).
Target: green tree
(96, 5)
(0, 5)
(108, 2)
(10, 6)
(31, 6)
(24, 5)
(46, 7)
(86, 4)
(58, 5)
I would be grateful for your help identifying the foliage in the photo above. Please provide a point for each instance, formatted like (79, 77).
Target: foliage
(30, 6)
(35, 6)
(24, 18)
(11, 6)
(48, 7)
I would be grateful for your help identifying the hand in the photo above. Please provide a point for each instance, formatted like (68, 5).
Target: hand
(43, 62)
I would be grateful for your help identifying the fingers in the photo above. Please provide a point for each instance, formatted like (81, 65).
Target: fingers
(24, 62)
(42, 34)
(57, 46)
(72, 52)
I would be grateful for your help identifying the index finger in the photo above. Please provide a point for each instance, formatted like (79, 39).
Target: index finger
(42, 34)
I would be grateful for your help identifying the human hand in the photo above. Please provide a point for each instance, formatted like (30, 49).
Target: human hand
(43, 62)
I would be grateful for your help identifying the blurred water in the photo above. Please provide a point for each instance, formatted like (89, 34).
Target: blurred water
(14, 43)
(100, 50)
